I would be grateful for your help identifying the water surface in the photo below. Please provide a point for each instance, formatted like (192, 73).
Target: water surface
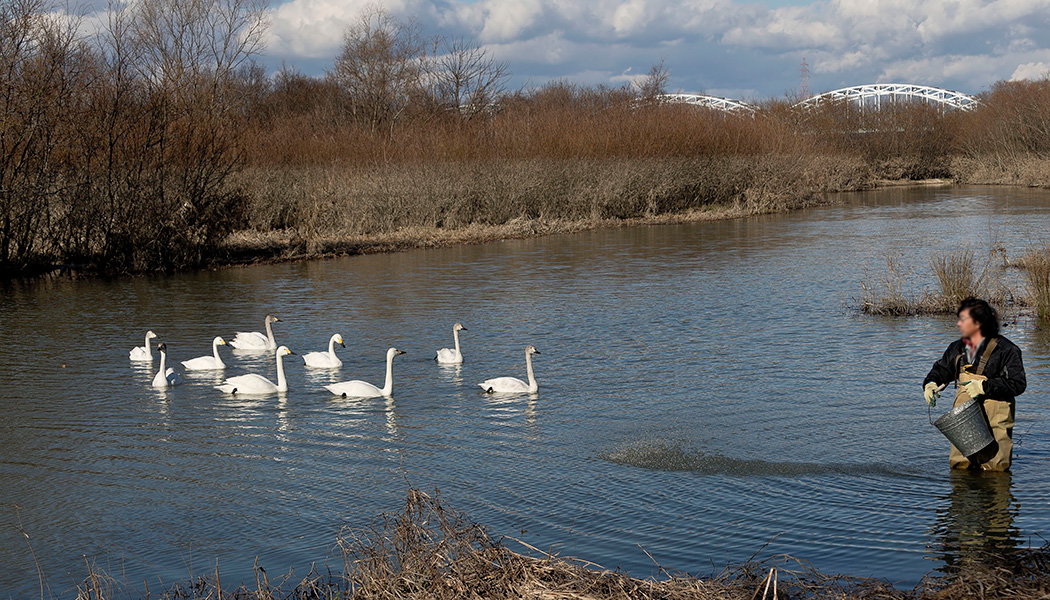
(706, 394)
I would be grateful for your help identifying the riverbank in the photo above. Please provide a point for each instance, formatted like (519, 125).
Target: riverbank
(320, 212)
(430, 551)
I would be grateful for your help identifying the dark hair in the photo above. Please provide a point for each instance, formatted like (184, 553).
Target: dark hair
(983, 313)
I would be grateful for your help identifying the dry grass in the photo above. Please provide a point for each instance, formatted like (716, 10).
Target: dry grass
(312, 211)
(884, 292)
(250, 247)
(428, 551)
(958, 277)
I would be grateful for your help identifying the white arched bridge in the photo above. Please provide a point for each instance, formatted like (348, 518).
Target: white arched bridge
(723, 104)
(872, 96)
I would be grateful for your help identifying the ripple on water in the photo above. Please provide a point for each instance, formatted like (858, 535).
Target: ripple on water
(704, 395)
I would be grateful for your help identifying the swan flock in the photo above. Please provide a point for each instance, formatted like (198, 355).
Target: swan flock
(254, 384)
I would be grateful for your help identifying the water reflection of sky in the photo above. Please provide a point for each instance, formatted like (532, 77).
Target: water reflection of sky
(704, 391)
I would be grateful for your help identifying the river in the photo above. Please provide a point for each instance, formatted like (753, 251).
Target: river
(706, 394)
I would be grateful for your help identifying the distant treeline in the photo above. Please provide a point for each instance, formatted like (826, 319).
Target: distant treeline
(145, 143)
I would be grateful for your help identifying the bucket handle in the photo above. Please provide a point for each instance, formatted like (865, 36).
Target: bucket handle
(929, 408)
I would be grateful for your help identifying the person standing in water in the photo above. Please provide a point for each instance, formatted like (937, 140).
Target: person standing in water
(987, 368)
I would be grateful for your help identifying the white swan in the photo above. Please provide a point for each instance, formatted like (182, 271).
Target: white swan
(253, 340)
(142, 353)
(207, 363)
(363, 389)
(447, 356)
(325, 360)
(166, 376)
(513, 385)
(257, 385)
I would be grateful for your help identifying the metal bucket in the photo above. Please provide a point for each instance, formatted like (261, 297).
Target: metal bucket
(964, 426)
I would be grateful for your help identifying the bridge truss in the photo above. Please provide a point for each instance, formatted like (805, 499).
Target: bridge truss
(714, 102)
(874, 95)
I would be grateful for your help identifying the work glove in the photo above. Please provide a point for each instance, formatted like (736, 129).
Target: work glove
(974, 387)
(931, 392)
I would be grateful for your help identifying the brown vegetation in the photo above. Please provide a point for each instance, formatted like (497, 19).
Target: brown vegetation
(429, 551)
(1035, 265)
(117, 152)
(956, 275)
(159, 145)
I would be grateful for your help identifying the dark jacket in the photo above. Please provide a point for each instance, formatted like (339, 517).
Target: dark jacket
(1004, 370)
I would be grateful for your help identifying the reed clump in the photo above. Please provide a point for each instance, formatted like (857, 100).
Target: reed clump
(958, 277)
(428, 551)
(884, 292)
(957, 274)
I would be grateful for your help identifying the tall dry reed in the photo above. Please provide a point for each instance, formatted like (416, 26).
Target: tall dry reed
(1035, 265)
(958, 277)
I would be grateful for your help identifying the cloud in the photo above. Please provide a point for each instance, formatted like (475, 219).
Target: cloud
(716, 44)
(1032, 70)
(507, 21)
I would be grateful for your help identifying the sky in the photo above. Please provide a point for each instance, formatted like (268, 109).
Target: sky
(732, 48)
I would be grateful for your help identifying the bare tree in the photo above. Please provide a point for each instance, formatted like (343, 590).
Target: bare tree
(380, 67)
(40, 71)
(464, 77)
(187, 44)
(654, 84)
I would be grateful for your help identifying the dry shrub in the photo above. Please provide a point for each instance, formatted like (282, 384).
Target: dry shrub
(1032, 171)
(1012, 121)
(909, 139)
(427, 551)
(115, 149)
(1035, 265)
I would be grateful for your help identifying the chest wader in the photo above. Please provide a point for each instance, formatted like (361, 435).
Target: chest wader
(998, 414)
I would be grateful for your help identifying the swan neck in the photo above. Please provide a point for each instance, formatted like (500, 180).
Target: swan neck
(331, 347)
(149, 349)
(269, 333)
(455, 334)
(533, 386)
(388, 387)
(282, 383)
(163, 363)
(215, 351)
